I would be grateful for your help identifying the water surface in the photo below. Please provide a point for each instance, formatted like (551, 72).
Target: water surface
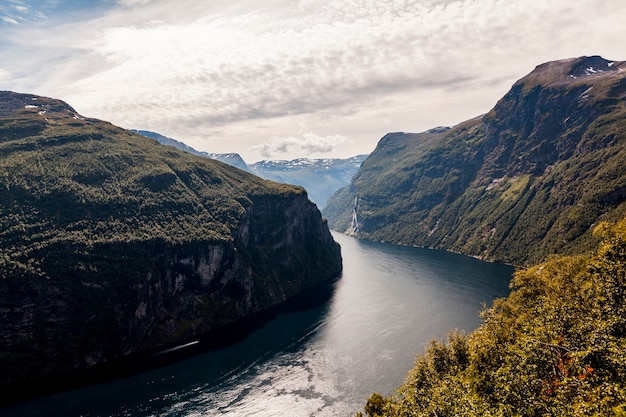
(322, 361)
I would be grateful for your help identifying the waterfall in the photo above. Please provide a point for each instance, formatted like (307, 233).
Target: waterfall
(354, 226)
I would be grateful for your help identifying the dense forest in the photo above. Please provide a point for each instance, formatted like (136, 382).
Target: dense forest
(556, 346)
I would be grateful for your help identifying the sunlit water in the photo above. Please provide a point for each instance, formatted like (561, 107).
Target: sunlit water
(324, 361)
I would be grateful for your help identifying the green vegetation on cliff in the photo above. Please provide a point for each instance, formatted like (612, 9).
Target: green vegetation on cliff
(555, 347)
(528, 179)
(112, 244)
(66, 178)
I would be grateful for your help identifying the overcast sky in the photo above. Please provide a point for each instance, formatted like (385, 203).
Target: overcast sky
(279, 79)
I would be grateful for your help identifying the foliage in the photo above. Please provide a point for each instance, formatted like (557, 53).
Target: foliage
(526, 180)
(66, 180)
(556, 346)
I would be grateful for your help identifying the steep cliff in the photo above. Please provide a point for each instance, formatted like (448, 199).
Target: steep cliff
(113, 244)
(527, 179)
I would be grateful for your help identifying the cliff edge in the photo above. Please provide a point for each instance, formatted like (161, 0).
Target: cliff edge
(114, 245)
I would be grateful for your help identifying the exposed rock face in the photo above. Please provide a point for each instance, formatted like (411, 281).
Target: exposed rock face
(527, 179)
(146, 249)
(183, 292)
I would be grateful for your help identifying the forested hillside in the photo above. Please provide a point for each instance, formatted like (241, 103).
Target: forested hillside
(320, 177)
(112, 244)
(530, 178)
(555, 347)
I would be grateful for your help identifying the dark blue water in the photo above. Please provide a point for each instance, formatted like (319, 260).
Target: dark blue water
(323, 361)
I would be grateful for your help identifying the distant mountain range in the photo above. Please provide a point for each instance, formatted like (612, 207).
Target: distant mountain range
(530, 178)
(233, 159)
(320, 177)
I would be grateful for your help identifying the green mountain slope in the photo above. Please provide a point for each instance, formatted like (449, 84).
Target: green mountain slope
(320, 177)
(555, 347)
(112, 244)
(233, 159)
(527, 179)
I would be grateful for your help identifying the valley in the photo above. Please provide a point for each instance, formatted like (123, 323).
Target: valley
(121, 244)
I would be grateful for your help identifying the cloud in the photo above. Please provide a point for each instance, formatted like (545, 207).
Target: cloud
(224, 69)
(10, 12)
(4, 75)
(133, 3)
(9, 20)
(308, 143)
(203, 69)
(20, 12)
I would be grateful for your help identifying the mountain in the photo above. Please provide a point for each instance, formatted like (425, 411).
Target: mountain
(233, 159)
(114, 246)
(320, 177)
(530, 178)
(556, 346)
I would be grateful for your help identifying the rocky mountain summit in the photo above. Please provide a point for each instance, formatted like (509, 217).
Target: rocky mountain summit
(113, 245)
(530, 178)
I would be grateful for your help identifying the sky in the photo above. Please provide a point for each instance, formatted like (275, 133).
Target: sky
(283, 79)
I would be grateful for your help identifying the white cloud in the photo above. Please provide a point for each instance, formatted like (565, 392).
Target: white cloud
(247, 67)
(10, 20)
(308, 143)
(4, 75)
(133, 3)
(204, 71)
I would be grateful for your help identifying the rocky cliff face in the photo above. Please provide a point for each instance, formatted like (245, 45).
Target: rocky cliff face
(113, 245)
(527, 179)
